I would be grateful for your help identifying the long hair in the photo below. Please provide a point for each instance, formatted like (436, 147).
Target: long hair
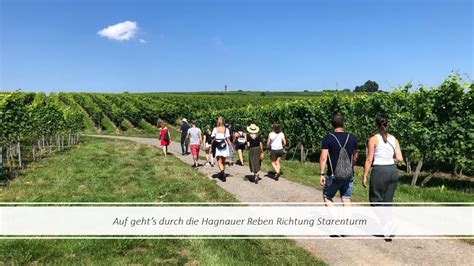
(382, 126)
(220, 121)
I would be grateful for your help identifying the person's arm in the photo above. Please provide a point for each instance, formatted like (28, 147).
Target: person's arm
(283, 140)
(261, 147)
(227, 137)
(269, 141)
(398, 152)
(369, 159)
(323, 158)
(355, 156)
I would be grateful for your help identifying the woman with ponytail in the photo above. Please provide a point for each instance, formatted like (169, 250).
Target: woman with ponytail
(382, 156)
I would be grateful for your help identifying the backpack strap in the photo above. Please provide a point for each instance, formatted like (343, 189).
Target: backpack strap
(345, 143)
(347, 139)
(330, 163)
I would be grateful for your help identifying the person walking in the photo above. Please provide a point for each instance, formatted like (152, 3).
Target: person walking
(223, 146)
(254, 142)
(231, 152)
(339, 148)
(194, 137)
(240, 143)
(165, 138)
(184, 133)
(207, 142)
(382, 156)
(276, 141)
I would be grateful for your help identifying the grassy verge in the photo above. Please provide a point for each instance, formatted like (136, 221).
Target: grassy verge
(110, 170)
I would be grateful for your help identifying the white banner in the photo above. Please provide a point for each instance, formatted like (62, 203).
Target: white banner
(237, 220)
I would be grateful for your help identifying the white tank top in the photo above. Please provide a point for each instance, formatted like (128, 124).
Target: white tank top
(384, 152)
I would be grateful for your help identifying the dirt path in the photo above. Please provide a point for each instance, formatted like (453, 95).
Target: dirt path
(341, 251)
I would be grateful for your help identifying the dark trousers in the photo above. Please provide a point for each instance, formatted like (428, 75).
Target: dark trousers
(184, 146)
(383, 182)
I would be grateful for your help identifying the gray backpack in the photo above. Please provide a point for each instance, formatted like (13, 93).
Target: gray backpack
(343, 168)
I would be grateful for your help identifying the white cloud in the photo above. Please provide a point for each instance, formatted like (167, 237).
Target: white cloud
(122, 31)
(142, 41)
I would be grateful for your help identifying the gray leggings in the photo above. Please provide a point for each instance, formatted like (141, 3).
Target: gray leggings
(383, 182)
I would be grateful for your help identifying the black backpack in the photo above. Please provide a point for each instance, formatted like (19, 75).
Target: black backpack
(343, 168)
(166, 137)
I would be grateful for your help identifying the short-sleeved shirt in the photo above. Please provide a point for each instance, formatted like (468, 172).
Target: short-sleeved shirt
(254, 142)
(194, 136)
(330, 143)
(184, 130)
(208, 137)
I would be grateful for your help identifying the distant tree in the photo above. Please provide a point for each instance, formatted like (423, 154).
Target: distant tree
(369, 86)
(306, 91)
(262, 93)
(346, 90)
(240, 91)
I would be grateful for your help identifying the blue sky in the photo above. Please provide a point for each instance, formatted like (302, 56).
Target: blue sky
(249, 45)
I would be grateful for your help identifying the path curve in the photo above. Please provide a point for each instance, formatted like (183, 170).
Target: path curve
(341, 251)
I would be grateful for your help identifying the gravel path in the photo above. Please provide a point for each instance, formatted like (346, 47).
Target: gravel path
(341, 251)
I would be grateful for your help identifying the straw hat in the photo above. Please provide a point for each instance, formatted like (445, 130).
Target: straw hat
(185, 120)
(253, 129)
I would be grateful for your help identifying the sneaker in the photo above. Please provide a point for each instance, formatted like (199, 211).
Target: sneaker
(277, 176)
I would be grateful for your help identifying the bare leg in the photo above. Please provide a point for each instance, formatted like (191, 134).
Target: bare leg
(274, 166)
(221, 163)
(278, 165)
(328, 202)
(346, 202)
(241, 156)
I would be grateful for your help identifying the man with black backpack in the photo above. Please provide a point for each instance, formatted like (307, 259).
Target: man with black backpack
(339, 150)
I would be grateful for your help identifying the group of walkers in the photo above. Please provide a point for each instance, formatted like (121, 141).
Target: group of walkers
(221, 143)
(338, 155)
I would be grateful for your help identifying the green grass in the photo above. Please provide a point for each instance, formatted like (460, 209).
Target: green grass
(127, 129)
(89, 127)
(108, 126)
(147, 128)
(120, 171)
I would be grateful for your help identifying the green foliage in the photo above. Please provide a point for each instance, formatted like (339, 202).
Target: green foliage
(434, 125)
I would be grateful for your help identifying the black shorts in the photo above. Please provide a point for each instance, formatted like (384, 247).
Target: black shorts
(274, 154)
(240, 146)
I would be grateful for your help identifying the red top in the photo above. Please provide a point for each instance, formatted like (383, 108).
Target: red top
(163, 131)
